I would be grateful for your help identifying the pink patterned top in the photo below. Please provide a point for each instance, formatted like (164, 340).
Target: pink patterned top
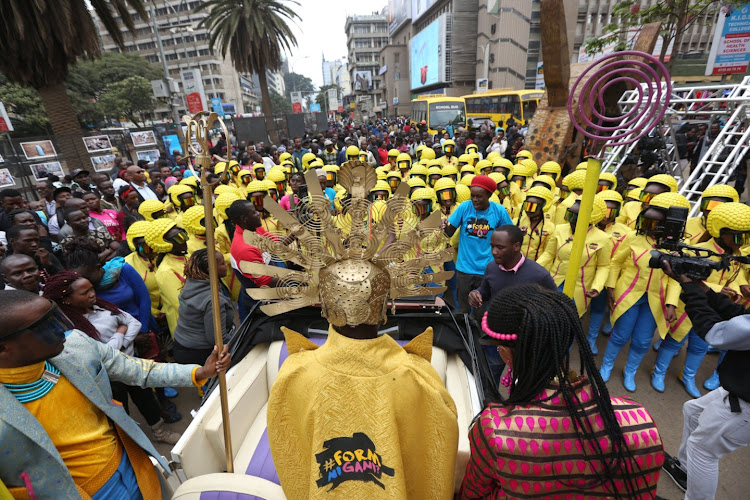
(533, 451)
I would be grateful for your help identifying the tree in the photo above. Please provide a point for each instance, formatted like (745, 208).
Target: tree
(280, 104)
(296, 82)
(41, 40)
(675, 16)
(322, 97)
(25, 109)
(131, 97)
(255, 33)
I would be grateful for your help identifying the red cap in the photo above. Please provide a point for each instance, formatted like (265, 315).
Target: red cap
(484, 181)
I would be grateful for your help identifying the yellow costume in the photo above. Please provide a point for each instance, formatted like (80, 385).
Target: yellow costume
(170, 276)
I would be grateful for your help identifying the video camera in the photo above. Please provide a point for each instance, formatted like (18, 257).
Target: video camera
(697, 266)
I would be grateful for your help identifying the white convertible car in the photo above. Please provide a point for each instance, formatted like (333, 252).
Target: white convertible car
(198, 459)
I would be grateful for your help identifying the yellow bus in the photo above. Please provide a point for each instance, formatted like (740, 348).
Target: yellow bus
(438, 113)
(499, 105)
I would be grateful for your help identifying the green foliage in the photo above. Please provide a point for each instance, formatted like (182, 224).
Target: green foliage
(25, 108)
(675, 16)
(300, 83)
(280, 104)
(131, 97)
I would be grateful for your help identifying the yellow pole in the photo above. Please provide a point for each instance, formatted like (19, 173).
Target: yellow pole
(200, 126)
(593, 167)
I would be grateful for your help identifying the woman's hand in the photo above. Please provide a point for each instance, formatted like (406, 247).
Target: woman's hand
(214, 364)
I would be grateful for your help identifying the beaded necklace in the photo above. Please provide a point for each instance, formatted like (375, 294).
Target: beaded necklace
(32, 391)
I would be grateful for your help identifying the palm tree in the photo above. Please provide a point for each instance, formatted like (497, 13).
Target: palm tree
(255, 32)
(39, 41)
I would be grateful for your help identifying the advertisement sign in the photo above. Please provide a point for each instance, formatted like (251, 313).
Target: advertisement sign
(730, 50)
(216, 106)
(5, 125)
(419, 7)
(296, 96)
(427, 55)
(483, 85)
(399, 11)
(340, 109)
(229, 108)
(296, 107)
(363, 80)
(195, 96)
(539, 76)
(315, 108)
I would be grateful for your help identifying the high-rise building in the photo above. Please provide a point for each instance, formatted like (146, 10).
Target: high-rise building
(186, 46)
(365, 36)
(330, 68)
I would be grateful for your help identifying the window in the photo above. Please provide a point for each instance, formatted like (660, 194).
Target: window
(152, 59)
(493, 28)
(396, 57)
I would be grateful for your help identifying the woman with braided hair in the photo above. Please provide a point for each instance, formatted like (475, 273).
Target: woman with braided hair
(557, 432)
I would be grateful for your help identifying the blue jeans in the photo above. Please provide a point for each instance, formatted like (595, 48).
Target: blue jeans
(636, 325)
(696, 345)
(598, 312)
(496, 364)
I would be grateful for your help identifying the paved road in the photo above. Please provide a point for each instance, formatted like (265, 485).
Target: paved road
(666, 409)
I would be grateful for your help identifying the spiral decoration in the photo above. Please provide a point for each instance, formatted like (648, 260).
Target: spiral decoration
(644, 73)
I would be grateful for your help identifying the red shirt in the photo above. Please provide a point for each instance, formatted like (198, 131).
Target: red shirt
(241, 251)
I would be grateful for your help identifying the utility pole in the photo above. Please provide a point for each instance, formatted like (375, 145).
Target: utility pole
(172, 107)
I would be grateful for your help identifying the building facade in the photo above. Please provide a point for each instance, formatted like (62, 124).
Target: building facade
(185, 46)
(365, 36)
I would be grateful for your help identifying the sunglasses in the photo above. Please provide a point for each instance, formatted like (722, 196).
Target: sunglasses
(422, 210)
(50, 328)
(363, 157)
(646, 197)
(505, 190)
(645, 225)
(331, 176)
(533, 207)
(486, 170)
(225, 176)
(603, 187)
(258, 202)
(708, 204)
(448, 149)
(612, 213)
(179, 238)
(404, 165)
(434, 178)
(235, 169)
(519, 182)
(260, 174)
(447, 194)
(740, 238)
(571, 216)
(394, 182)
(187, 202)
(379, 195)
(143, 248)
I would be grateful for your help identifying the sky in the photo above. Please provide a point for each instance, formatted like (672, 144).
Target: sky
(321, 32)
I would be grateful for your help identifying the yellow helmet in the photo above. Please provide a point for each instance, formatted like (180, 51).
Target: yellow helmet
(276, 174)
(246, 176)
(730, 215)
(548, 182)
(316, 163)
(427, 154)
(531, 165)
(175, 192)
(468, 168)
(464, 159)
(609, 177)
(598, 211)
(481, 165)
(543, 193)
(393, 173)
(449, 142)
(524, 153)
(503, 162)
(156, 232)
(426, 194)
(449, 170)
(418, 169)
(285, 156)
(575, 180)
(224, 201)
(417, 182)
(449, 146)
(220, 167)
(381, 186)
(149, 207)
(403, 161)
(419, 150)
(632, 194)
(223, 188)
(721, 191)
(665, 180)
(466, 179)
(524, 169)
(666, 200)
(269, 184)
(492, 156)
(582, 166)
(352, 153)
(191, 220)
(306, 159)
(610, 195)
(435, 169)
(551, 167)
(444, 183)
(638, 181)
(471, 148)
(189, 181)
(258, 186)
(137, 229)
(463, 193)
(474, 156)
(393, 153)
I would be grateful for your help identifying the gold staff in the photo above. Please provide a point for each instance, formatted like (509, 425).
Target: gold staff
(198, 129)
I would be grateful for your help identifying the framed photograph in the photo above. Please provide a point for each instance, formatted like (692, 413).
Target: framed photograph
(143, 138)
(5, 178)
(103, 163)
(150, 155)
(42, 170)
(38, 149)
(97, 144)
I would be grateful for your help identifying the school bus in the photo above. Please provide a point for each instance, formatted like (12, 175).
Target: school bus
(438, 113)
(499, 105)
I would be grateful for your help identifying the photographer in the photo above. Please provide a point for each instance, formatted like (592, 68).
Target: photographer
(717, 423)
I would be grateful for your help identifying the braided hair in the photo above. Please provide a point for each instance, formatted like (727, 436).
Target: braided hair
(196, 267)
(546, 323)
(59, 286)
(81, 252)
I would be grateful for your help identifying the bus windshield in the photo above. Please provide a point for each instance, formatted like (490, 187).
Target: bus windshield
(443, 114)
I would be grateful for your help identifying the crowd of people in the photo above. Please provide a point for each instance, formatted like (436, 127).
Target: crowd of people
(122, 258)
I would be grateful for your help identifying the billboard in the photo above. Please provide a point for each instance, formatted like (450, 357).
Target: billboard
(427, 55)
(419, 7)
(730, 49)
(399, 11)
(195, 96)
(363, 80)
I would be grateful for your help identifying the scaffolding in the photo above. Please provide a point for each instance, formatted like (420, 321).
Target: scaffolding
(697, 104)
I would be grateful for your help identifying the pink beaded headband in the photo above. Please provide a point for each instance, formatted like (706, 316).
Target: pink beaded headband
(499, 336)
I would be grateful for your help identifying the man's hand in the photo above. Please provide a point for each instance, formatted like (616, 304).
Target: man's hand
(745, 291)
(592, 294)
(43, 256)
(610, 298)
(670, 314)
(475, 299)
(214, 364)
(669, 272)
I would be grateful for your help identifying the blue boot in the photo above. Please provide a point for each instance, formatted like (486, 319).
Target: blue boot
(657, 345)
(631, 367)
(712, 383)
(663, 358)
(610, 354)
(592, 343)
(687, 377)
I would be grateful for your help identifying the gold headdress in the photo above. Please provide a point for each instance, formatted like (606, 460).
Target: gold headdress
(350, 271)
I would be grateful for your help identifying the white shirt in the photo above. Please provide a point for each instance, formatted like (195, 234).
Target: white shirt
(145, 191)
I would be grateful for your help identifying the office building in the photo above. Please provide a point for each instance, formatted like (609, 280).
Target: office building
(365, 36)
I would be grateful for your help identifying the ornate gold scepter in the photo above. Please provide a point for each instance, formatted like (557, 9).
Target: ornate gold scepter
(198, 130)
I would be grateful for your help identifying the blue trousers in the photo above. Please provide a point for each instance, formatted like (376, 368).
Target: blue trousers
(122, 485)
(636, 325)
(598, 310)
(696, 345)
